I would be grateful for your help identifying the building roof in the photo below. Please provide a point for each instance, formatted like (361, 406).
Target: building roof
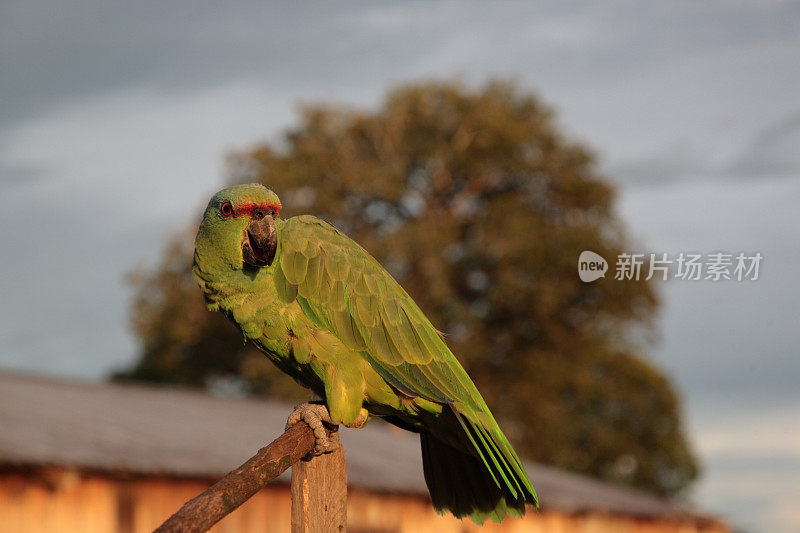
(149, 430)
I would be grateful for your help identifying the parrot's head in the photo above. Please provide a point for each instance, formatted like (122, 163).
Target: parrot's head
(238, 229)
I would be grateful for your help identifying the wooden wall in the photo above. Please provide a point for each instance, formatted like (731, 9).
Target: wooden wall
(59, 500)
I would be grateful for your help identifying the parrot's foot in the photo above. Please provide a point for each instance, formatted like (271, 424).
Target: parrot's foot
(316, 416)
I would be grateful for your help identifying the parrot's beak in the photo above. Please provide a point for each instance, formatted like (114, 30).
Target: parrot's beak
(259, 242)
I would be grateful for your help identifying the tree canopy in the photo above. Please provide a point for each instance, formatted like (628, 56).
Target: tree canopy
(478, 205)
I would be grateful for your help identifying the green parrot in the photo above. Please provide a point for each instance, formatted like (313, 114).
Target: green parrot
(326, 313)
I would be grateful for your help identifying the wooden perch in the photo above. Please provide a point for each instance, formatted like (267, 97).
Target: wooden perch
(208, 508)
(319, 493)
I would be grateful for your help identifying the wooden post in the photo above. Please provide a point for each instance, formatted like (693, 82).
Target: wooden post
(319, 493)
(211, 506)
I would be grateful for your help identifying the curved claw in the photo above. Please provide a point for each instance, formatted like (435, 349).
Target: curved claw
(315, 414)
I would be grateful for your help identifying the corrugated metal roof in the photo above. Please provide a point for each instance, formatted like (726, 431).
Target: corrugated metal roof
(152, 430)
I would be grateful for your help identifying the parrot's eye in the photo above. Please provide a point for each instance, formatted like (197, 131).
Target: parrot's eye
(226, 209)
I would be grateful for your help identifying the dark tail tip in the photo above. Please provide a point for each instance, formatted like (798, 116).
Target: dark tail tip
(460, 483)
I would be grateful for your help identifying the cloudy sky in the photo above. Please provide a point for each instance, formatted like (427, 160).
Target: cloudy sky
(114, 121)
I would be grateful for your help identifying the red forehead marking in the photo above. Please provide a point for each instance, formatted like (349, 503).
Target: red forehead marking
(247, 208)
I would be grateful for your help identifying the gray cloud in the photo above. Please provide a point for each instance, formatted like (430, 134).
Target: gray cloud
(675, 164)
(774, 150)
(54, 54)
(771, 151)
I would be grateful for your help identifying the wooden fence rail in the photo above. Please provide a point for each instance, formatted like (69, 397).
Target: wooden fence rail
(319, 487)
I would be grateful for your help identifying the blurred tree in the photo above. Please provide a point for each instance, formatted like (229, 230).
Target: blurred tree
(479, 207)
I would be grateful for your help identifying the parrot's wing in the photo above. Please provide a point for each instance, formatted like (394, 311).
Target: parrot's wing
(344, 290)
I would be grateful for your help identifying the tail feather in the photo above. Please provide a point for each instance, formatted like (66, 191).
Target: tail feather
(499, 461)
(480, 485)
(503, 463)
